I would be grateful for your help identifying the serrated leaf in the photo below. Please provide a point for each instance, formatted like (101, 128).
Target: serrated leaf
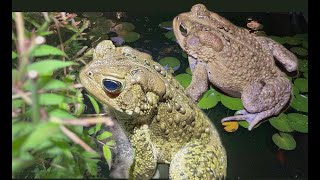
(94, 104)
(40, 135)
(46, 67)
(284, 141)
(47, 50)
(298, 122)
(231, 103)
(107, 155)
(208, 100)
(104, 135)
(54, 84)
(14, 55)
(301, 84)
(59, 113)
(281, 123)
(184, 79)
(50, 99)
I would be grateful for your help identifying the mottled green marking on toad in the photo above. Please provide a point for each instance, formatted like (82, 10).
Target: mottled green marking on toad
(162, 123)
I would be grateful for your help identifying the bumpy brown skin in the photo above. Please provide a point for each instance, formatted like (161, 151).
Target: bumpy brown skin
(236, 61)
(163, 124)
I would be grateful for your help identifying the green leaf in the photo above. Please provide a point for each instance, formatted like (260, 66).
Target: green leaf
(61, 114)
(298, 122)
(54, 84)
(104, 135)
(188, 71)
(98, 127)
(91, 130)
(131, 37)
(301, 84)
(169, 35)
(90, 154)
(303, 65)
(47, 50)
(50, 99)
(46, 67)
(244, 124)
(16, 103)
(40, 135)
(299, 50)
(284, 141)
(281, 123)
(305, 75)
(172, 62)
(92, 167)
(292, 40)
(107, 155)
(166, 24)
(184, 79)
(300, 103)
(305, 44)
(14, 75)
(231, 103)
(185, 55)
(111, 143)
(125, 26)
(278, 39)
(14, 55)
(94, 104)
(208, 100)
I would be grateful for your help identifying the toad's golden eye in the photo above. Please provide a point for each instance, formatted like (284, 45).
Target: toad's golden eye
(112, 86)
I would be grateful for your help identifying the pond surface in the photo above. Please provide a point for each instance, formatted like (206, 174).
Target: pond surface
(251, 154)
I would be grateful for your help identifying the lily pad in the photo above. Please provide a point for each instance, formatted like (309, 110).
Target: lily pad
(184, 79)
(303, 65)
(284, 141)
(100, 30)
(231, 103)
(184, 54)
(131, 37)
(124, 28)
(305, 44)
(301, 84)
(208, 100)
(281, 123)
(169, 35)
(92, 14)
(172, 62)
(230, 126)
(244, 124)
(298, 122)
(300, 51)
(166, 25)
(300, 103)
(278, 39)
(302, 36)
(188, 70)
(305, 74)
(292, 40)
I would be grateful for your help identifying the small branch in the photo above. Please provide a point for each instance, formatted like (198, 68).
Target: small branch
(21, 45)
(85, 121)
(22, 95)
(76, 139)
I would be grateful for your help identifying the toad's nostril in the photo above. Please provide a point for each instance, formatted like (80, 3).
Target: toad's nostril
(90, 73)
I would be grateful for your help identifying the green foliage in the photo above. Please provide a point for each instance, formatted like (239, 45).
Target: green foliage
(281, 123)
(231, 103)
(298, 122)
(209, 99)
(184, 79)
(172, 62)
(43, 147)
(131, 36)
(284, 141)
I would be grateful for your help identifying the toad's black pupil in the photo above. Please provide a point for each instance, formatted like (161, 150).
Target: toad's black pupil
(111, 85)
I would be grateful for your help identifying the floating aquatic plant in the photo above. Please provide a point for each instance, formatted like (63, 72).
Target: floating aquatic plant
(281, 123)
(301, 84)
(284, 141)
(231, 103)
(131, 37)
(209, 99)
(168, 62)
(230, 126)
(299, 51)
(298, 122)
(184, 79)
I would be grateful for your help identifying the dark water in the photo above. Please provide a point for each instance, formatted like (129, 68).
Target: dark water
(251, 155)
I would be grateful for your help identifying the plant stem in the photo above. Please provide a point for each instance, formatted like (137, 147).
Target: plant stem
(33, 75)
(23, 58)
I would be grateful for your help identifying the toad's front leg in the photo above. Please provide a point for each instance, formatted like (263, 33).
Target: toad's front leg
(145, 157)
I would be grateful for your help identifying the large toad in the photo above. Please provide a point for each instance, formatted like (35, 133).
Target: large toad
(236, 61)
(162, 123)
